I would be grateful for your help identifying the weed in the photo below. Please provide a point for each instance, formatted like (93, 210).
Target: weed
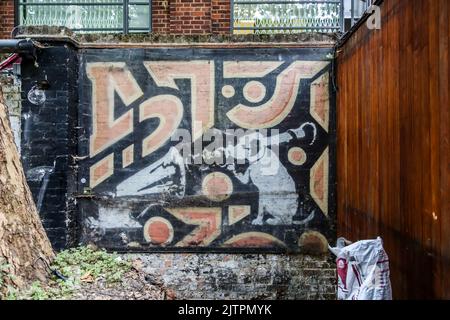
(79, 265)
(3, 273)
(85, 263)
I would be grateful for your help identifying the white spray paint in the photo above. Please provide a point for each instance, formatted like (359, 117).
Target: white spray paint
(149, 180)
(41, 174)
(278, 195)
(112, 218)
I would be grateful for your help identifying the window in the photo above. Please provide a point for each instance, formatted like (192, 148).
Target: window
(353, 11)
(85, 16)
(288, 16)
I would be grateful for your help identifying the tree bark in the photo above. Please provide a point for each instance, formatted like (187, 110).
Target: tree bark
(23, 242)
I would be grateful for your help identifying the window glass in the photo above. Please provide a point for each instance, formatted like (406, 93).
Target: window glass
(139, 17)
(87, 15)
(289, 16)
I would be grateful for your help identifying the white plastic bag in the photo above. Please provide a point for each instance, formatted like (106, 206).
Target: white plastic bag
(363, 270)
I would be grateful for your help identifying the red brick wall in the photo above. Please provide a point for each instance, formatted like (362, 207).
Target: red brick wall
(220, 16)
(169, 17)
(6, 18)
(191, 16)
(160, 16)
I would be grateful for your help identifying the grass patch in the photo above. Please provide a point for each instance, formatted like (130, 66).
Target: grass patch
(80, 266)
(88, 264)
(3, 272)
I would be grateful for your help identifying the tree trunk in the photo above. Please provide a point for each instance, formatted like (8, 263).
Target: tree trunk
(23, 241)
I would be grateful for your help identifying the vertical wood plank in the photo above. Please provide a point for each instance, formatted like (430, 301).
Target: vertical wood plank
(394, 143)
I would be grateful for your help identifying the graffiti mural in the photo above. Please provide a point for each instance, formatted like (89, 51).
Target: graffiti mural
(205, 149)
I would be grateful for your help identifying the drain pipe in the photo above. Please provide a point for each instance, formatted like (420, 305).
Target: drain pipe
(24, 47)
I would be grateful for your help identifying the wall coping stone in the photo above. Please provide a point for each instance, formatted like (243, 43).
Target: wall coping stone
(102, 40)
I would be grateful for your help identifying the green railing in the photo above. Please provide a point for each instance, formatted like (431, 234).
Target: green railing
(288, 16)
(247, 16)
(122, 16)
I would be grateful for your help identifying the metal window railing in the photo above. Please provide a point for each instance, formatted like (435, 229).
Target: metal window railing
(247, 16)
(294, 16)
(85, 16)
(288, 16)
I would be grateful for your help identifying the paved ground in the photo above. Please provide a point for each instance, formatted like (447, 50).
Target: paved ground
(135, 285)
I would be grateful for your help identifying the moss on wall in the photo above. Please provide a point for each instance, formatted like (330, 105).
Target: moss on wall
(62, 32)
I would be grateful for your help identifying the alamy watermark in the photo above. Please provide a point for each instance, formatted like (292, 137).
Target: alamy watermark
(374, 20)
(230, 147)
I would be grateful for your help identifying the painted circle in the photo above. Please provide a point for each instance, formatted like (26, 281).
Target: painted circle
(254, 91)
(313, 242)
(217, 186)
(228, 91)
(297, 156)
(158, 230)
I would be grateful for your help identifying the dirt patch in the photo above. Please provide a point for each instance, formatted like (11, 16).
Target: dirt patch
(86, 273)
(135, 285)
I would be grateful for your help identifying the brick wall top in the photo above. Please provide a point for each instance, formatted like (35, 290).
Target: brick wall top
(142, 40)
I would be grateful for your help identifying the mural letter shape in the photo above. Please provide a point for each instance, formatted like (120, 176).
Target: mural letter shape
(201, 74)
(169, 110)
(275, 110)
(107, 78)
(208, 220)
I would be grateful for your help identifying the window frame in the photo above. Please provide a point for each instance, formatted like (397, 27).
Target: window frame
(19, 5)
(283, 28)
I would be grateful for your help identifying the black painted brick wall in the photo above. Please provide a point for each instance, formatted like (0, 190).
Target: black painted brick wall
(47, 134)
